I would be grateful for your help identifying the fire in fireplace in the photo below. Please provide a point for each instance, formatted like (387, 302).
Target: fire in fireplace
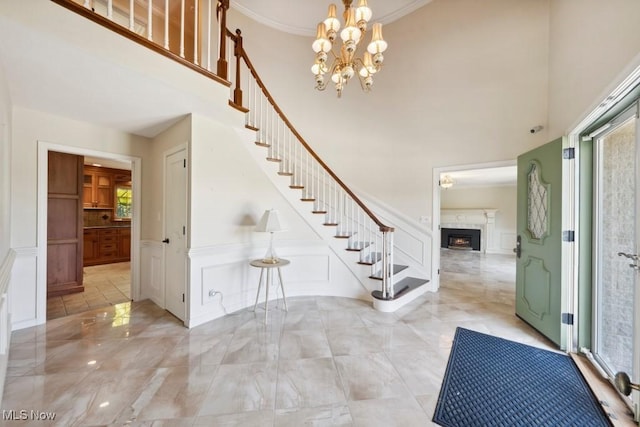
(460, 238)
(460, 242)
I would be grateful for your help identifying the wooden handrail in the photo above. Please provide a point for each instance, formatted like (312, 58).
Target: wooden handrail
(125, 32)
(238, 40)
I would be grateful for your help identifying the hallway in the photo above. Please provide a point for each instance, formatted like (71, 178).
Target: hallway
(134, 363)
(104, 285)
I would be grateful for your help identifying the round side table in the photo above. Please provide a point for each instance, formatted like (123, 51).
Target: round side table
(269, 267)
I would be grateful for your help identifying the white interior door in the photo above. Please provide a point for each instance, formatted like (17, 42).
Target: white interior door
(175, 253)
(616, 329)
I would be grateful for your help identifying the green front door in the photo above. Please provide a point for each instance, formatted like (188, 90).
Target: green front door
(539, 218)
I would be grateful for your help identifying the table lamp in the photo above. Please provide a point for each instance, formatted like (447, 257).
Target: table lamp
(271, 224)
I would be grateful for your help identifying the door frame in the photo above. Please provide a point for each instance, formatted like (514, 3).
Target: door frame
(435, 197)
(571, 212)
(42, 211)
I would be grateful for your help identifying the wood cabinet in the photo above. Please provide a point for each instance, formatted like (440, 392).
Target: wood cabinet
(124, 243)
(98, 188)
(91, 246)
(106, 245)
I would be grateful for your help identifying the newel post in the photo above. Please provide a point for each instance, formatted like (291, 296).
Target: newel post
(388, 290)
(223, 6)
(237, 92)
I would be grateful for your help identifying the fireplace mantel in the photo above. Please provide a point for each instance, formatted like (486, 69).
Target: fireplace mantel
(478, 219)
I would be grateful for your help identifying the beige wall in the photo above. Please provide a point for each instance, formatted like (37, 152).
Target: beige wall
(229, 193)
(593, 44)
(502, 198)
(31, 126)
(463, 82)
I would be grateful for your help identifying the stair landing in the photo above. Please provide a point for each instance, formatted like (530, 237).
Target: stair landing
(405, 291)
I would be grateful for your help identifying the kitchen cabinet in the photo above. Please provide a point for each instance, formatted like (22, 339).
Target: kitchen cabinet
(98, 188)
(105, 245)
(124, 243)
(91, 249)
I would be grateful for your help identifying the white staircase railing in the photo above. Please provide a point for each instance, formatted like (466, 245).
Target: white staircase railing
(327, 195)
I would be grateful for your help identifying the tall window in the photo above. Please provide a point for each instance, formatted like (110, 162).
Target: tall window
(123, 202)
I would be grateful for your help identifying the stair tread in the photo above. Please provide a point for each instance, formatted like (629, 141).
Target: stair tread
(330, 224)
(402, 287)
(250, 127)
(370, 259)
(397, 268)
(263, 144)
(308, 199)
(285, 173)
(343, 235)
(319, 212)
(273, 159)
(297, 187)
(358, 246)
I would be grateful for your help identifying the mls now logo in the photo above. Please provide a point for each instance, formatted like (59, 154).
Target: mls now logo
(24, 415)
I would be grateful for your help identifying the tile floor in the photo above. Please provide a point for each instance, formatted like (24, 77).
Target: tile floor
(328, 361)
(104, 285)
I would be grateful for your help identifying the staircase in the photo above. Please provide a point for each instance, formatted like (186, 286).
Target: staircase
(354, 233)
(360, 238)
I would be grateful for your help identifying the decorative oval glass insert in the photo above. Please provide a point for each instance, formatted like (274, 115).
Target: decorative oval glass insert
(537, 212)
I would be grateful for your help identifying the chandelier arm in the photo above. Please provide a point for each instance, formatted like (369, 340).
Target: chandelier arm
(363, 86)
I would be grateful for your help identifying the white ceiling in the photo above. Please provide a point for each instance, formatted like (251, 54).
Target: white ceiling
(302, 17)
(489, 177)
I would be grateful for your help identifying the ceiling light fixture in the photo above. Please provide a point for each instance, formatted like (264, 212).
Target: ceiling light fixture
(346, 64)
(446, 181)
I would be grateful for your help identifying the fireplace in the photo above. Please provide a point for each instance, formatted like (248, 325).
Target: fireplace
(460, 238)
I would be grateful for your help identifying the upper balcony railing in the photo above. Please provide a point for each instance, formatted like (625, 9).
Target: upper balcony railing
(194, 33)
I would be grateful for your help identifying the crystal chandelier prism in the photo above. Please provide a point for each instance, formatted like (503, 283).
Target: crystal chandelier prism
(346, 64)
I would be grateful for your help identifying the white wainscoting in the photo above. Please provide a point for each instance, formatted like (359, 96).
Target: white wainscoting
(152, 271)
(222, 281)
(412, 243)
(5, 315)
(26, 310)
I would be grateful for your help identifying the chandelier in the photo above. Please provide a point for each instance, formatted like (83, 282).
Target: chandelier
(345, 64)
(446, 182)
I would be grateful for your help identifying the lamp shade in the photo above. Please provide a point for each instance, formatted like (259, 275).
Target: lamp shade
(332, 22)
(269, 222)
(377, 45)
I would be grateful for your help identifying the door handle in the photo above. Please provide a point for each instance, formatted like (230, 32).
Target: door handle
(166, 240)
(633, 257)
(624, 384)
(630, 256)
(518, 248)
